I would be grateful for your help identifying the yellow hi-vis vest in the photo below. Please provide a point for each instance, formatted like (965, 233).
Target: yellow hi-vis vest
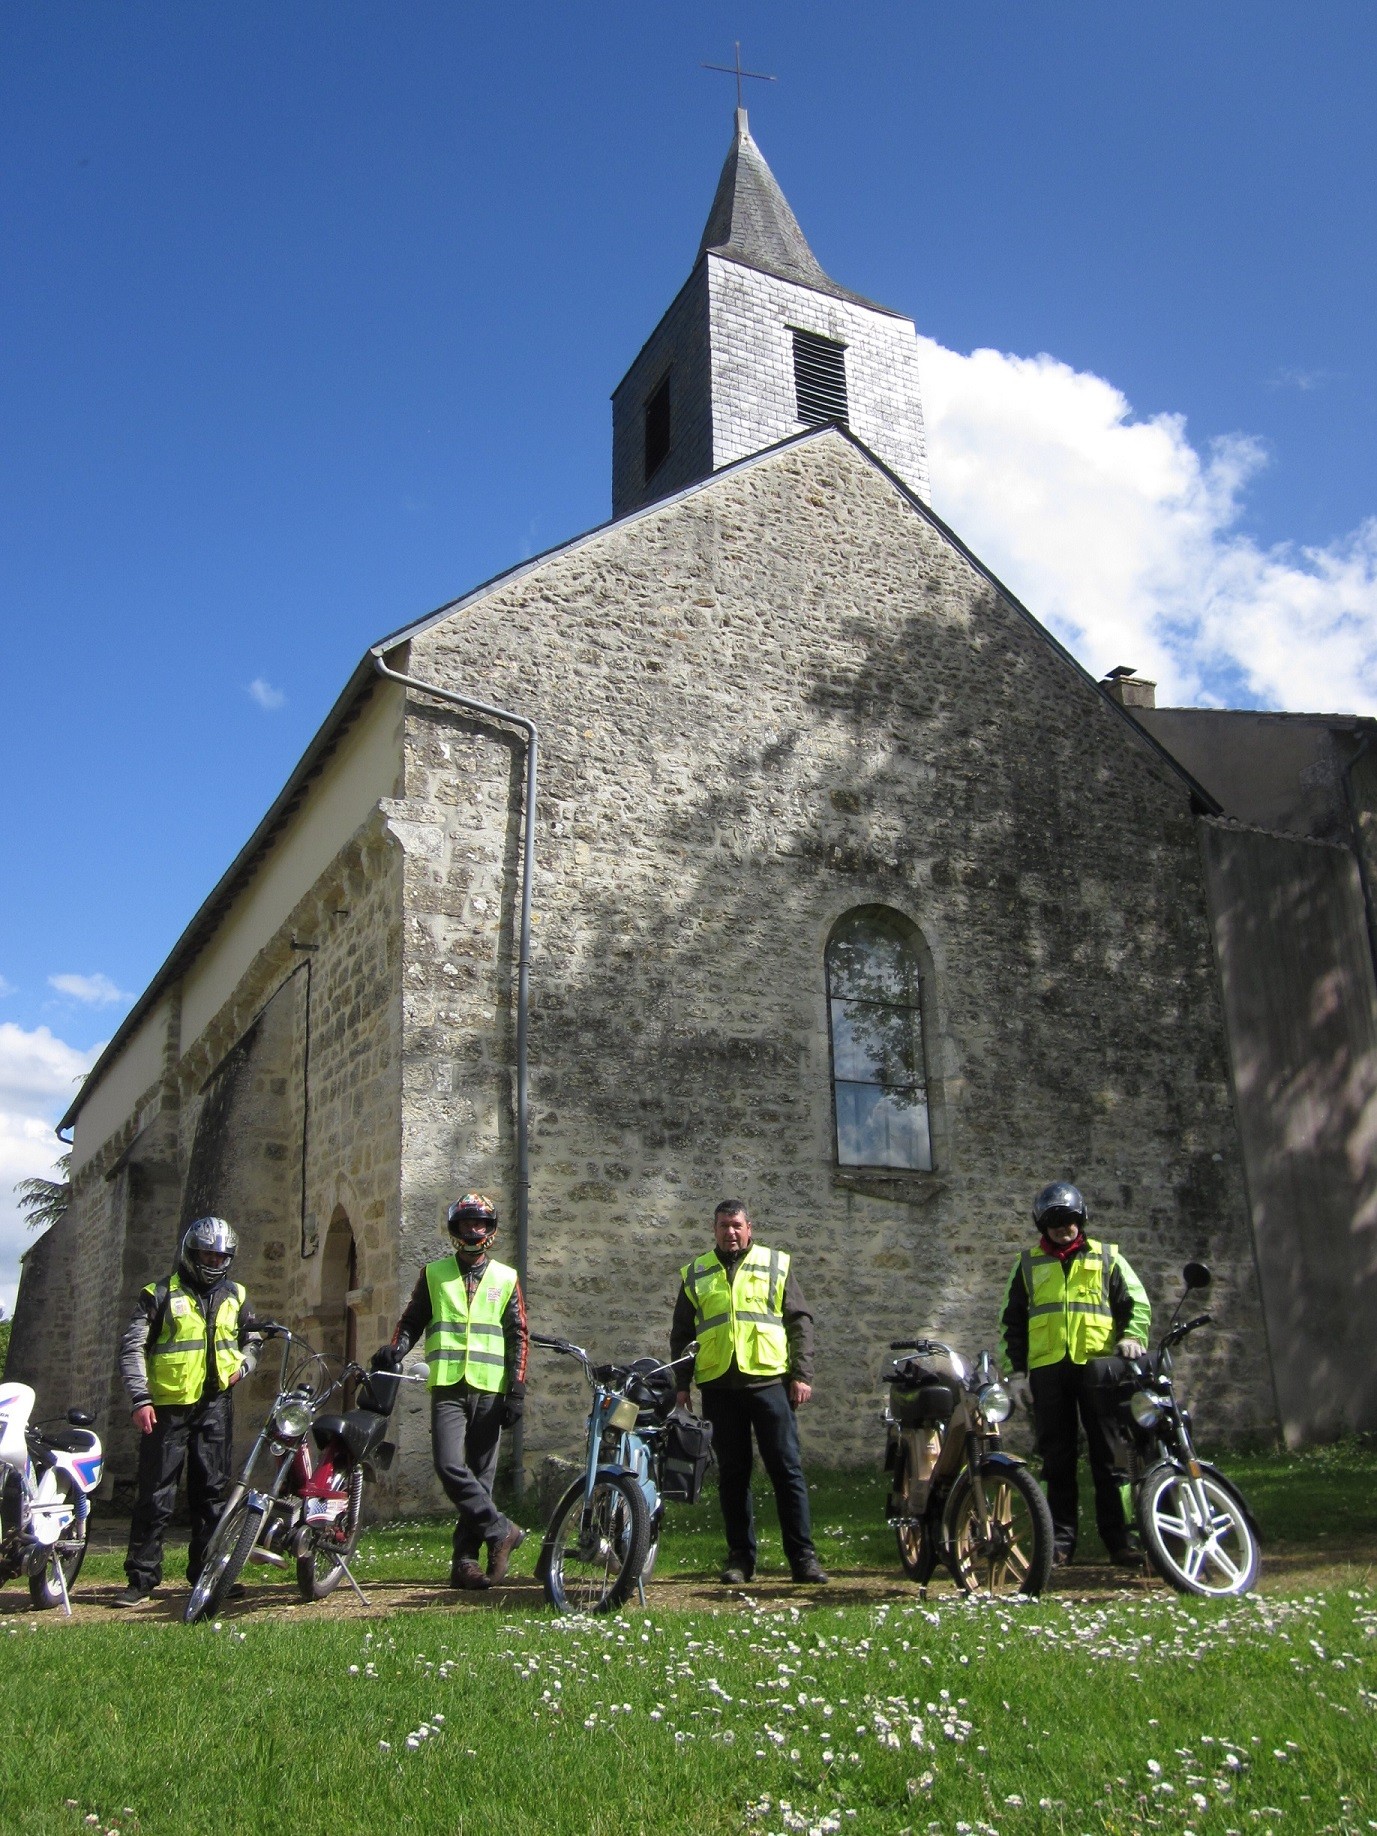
(744, 1316)
(177, 1357)
(1069, 1315)
(464, 1339)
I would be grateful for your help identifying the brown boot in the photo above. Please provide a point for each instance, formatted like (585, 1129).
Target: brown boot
(500, 1554)
(468, 1575)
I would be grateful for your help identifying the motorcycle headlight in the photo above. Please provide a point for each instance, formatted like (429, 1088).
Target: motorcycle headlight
(1145, 1408)
(995, 1403)
(292, 1418)
(624, 1414)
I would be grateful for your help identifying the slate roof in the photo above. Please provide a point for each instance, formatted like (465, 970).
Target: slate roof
(751, 222)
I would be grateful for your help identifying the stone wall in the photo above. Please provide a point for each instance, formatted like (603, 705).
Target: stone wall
(677, 348)
(780, 698)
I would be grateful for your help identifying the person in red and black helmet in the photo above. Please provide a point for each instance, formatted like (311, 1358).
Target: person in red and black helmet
(471, 1312)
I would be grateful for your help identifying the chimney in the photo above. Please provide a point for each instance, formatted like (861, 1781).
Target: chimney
(1130, 690)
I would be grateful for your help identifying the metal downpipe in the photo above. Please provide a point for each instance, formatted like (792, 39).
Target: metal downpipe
(523, 971)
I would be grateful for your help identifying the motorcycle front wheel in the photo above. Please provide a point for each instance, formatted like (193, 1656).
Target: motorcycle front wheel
(590, 1565)
(319, 1569)
(1198, 1546)
(232, 1540)
(1013, 1553)
(68, 1553)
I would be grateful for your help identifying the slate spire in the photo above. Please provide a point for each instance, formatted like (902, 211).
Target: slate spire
(751, 222)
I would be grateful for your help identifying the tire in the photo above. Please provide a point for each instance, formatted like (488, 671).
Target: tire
(595, 1572)
(1215, 1561)
(233, 1538)
(1018, 1556)
(318, 1570)
(914, 1541)
(45, 1590)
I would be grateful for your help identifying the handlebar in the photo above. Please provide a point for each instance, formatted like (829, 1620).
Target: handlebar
(1178, 1333)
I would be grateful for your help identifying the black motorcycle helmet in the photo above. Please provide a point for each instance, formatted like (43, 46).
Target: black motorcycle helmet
(1060, 1203)
(207, 1249)
(472, 1223)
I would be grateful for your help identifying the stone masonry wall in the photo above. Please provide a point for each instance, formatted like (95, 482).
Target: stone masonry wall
(780, 698)
(752, 317)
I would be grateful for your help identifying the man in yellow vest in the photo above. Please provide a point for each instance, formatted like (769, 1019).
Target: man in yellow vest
(1069, 1300)
(190, 1340)
(474, 1320)
(754, 1368)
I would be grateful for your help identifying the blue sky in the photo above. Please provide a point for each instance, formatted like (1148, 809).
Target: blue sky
(311, 314)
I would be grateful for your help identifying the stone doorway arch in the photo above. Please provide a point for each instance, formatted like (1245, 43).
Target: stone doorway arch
(337, 1325)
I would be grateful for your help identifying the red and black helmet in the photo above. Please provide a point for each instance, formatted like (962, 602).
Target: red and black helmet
(472, 1222)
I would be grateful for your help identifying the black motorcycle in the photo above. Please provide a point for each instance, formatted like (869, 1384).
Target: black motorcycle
(1197, 1529)
(955, 1495)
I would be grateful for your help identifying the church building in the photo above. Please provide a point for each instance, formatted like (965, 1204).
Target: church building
(759, 843)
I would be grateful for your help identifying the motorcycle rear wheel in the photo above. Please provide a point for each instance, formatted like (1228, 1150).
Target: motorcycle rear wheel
(45, 1590)
(916, 1555)
(1216, 1560)
(1015, 1557)
(318, 1567)
(593, 1568)
(232, 1540)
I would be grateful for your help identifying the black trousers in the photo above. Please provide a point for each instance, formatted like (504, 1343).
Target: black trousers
(465, 1433)
(767, 1411)
(201, 1438)
(1063, 1402)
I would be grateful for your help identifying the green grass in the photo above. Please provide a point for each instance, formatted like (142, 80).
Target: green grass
(865, 1719)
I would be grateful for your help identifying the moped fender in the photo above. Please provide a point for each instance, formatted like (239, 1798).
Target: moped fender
(1224, 1479)
(992, 1462)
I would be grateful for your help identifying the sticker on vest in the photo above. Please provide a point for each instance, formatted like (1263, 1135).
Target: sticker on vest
(179, 1306)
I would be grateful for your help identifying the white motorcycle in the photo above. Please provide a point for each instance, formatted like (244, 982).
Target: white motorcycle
(47, 1476)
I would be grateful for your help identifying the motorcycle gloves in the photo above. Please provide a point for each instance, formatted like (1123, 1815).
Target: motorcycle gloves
(386, 1358)
(513, 1408)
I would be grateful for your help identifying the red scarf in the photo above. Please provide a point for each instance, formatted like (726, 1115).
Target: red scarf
(1063, 1252)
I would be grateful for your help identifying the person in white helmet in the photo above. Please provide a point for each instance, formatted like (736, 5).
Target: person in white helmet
(191, 1338)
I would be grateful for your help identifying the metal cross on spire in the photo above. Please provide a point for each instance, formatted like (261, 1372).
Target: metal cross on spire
(735, 70)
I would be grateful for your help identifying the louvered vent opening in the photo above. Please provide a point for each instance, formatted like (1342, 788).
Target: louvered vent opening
(819, 379)
(657, 429)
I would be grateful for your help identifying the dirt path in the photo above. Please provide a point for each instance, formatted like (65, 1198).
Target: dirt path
(1285, 1570)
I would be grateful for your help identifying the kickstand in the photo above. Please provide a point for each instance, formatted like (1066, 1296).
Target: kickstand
(640, 1587)
(62, 1586)
(352, 1582)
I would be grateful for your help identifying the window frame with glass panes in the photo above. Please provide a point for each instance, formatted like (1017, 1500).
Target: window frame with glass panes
(881, 1120)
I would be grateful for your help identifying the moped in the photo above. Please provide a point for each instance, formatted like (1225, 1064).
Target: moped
(604, 1533)
(290, 1504)
(47, 1475)
(956, 1496)
(1197, 1529)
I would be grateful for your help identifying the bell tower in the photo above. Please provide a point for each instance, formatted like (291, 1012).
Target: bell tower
(758, 344)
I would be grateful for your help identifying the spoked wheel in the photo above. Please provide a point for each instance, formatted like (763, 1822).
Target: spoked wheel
(67, 1554)
(1012, 1553)
(233, 1538)
(322, 1550)
(916, 1555)
(590, 1564)
(1197, 1533)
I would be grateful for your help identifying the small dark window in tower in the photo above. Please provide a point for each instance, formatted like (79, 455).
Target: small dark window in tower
(819, 380)
(657, 429)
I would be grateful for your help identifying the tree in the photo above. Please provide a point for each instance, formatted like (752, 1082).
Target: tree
(45, 1201)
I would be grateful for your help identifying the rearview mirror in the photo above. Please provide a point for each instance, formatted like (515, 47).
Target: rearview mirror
(1196, 1275)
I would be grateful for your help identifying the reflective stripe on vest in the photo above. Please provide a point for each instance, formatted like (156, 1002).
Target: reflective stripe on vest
(177, 1357)
(742, 1317)
(464, 1341)
(1069, 1314)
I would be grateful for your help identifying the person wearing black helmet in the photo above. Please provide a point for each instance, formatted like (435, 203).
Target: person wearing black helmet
(472, 1314)
(1070, 1299)
(189, 1341)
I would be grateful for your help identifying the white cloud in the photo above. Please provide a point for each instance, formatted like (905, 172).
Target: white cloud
(94, 990)
(1122, 537)
(270, 699)
(39, 1075)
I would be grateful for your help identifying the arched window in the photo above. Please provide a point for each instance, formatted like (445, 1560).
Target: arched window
(336, 1324)
(874, 1004)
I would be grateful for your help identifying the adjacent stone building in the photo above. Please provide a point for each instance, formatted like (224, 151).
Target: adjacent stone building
(825, 914)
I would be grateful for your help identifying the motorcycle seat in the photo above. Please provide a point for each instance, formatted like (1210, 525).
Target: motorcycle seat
(66, 1439)
(361, 1430)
